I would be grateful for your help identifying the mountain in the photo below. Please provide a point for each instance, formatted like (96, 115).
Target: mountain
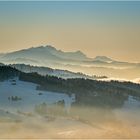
(51, 57)
(103, 59)
(45, 53)
(46, 56)
(77, 61)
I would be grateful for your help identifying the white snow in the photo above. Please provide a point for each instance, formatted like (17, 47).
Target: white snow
(30, 96)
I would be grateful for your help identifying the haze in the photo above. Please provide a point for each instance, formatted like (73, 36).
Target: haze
(96, 28)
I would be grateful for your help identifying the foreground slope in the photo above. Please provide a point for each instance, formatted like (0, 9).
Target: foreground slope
(90, 92)
(35, 106)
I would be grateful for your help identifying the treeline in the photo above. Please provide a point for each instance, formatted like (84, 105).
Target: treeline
(7, 72)
(88, 92)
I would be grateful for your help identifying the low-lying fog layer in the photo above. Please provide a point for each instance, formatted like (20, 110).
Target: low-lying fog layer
(28, 113)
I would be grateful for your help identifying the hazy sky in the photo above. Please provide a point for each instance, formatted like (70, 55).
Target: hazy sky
(96, 28)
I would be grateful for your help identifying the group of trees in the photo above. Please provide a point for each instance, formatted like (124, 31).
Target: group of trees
(14, 98)
(6, 72)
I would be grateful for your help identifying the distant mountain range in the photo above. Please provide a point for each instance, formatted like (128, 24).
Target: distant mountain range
(47, 52)
(48, 56)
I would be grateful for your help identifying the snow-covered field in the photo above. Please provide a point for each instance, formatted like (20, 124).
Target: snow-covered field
(29, 96)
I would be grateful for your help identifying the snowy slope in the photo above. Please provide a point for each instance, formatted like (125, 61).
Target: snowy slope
(30, 96)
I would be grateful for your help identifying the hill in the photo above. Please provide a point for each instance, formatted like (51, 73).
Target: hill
(52, 72)
(87, 92)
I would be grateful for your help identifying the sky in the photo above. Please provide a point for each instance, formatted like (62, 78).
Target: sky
(110, 28)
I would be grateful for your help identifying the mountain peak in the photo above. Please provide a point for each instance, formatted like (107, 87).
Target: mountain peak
(79, 52)
(49, 47)
(78, 55)
(103, 58)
